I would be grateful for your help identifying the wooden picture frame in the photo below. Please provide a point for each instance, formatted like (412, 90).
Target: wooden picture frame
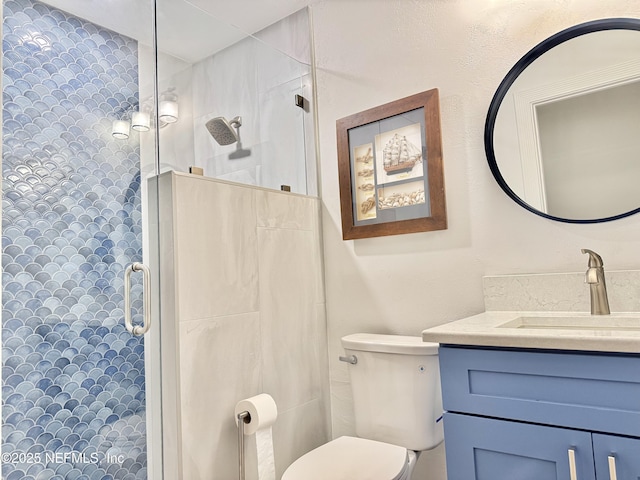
(390, 169)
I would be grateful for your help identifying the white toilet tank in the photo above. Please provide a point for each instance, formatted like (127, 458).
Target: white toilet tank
(396, 389)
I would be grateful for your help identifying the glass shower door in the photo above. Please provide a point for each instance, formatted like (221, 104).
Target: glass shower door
(75, 382)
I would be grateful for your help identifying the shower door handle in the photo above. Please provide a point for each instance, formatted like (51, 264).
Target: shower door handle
(146, 299)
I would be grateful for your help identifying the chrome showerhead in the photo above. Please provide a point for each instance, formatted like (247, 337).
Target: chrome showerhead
(223, 131)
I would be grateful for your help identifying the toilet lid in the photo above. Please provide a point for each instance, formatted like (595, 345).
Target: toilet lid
(349, 458)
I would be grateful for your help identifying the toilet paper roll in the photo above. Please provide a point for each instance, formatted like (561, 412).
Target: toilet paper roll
(262, 409)
(263, 412)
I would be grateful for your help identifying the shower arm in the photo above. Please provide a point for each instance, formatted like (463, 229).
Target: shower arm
(236, 123)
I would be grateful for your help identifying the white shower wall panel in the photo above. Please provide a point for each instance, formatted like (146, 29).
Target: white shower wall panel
(258, 82)
(243, 313)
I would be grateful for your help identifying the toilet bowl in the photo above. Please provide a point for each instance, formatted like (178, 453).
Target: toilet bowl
(395, 381)
(353, 458)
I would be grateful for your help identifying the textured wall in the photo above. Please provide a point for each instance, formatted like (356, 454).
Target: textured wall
(373, 52)
(73, 378)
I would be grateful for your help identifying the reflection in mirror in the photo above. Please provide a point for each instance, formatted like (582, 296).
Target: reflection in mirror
(561, 133)
(589, 147)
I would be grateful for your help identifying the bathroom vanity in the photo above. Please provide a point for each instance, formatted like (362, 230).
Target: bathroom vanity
(546, 395)
(541, 395)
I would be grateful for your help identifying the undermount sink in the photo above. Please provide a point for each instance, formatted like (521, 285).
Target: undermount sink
(592, 322)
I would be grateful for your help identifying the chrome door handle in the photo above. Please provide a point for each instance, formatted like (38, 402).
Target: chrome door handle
(573, 474)
(613, 475)
(137, 330)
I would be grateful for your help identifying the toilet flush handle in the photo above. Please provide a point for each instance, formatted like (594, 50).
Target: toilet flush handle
(352, 359)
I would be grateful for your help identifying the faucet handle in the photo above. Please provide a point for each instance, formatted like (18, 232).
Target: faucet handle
(595, 260)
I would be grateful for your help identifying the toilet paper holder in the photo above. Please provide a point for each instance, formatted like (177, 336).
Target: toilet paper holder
(243, 417)
(255, 416)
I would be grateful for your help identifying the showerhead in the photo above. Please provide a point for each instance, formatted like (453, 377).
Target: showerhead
(223, 131)
(226, 133)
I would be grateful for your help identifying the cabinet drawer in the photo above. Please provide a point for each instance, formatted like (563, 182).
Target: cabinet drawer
(588, 391)
(487, 449)
(625, 463)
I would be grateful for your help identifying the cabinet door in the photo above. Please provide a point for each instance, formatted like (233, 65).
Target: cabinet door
(488, 449)
(625, 453)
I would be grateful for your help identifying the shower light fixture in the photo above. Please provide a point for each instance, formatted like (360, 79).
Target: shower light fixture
(139, 117)
(120, 129)
(140, 121)
(168, 109)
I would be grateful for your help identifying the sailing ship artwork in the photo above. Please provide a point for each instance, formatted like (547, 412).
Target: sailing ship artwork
(388, 173)
(399, 154)
(390, 168)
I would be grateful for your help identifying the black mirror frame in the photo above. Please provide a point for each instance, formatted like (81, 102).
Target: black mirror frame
(516, 70)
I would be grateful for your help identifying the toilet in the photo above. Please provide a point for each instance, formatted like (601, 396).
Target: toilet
(395, 381)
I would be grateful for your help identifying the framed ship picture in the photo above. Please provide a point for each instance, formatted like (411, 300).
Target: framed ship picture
(390, 169)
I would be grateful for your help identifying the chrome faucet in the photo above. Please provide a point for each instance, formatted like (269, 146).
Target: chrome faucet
(597, 286)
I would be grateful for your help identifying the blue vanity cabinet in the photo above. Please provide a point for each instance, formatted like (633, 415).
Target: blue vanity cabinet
(488, 449)
(616, 458)
(538, 414)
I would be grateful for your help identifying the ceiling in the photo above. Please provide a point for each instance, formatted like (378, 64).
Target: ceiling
(187, 29)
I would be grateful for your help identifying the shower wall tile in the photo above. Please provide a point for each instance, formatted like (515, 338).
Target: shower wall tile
(222, 85)
(342, 415)
(282, 136)
(300, 212)
(310, 146)
(274, 69)
(291, 441)
(176, 140)
(215, 230)
(291, 359)
(278, 348)
(321, 315)
(288, 36)
(208, 71)
(261, 90)
(73, 377)
(219, 365)
(279, 210)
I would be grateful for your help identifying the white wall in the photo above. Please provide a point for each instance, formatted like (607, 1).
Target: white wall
(372, 52)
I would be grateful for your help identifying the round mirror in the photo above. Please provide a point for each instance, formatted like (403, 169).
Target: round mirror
(562, 135)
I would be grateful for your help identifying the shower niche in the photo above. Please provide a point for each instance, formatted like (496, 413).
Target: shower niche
(248, 85)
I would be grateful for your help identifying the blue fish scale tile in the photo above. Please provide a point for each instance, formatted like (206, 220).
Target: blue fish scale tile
(73, 378)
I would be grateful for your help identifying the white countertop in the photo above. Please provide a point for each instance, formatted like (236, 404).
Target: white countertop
(618, 332)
